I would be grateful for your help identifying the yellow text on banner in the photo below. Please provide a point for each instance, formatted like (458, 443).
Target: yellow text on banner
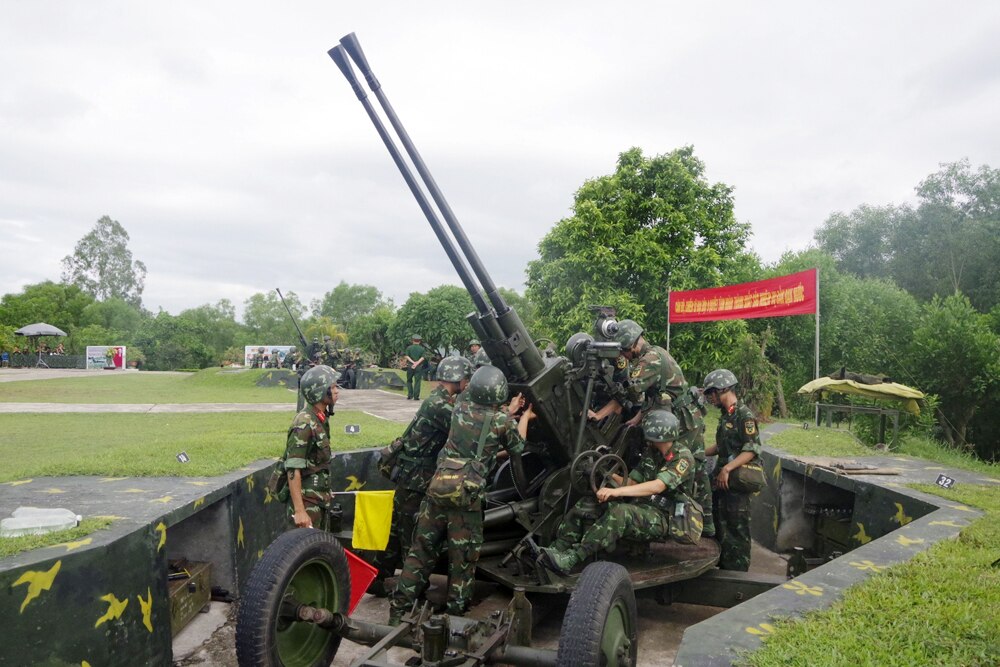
(372, 519)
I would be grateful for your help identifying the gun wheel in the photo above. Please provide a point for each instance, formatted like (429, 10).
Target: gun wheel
(604, 469)
(579, 472)
(601, 622)
(302, 567)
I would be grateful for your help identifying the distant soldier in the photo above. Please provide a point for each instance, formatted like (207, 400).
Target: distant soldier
(331, 354)
(453, 522)
(275, 361)
(415, 359)
(314, 349)
(289, 360)
(417, 461)
(474, 347)
(258, 358)
(307, 451)
(481, 359)
(737, 442)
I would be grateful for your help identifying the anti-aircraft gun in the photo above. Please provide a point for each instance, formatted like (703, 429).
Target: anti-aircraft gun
(568, 457)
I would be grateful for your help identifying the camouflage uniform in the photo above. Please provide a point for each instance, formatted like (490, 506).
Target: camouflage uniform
(308, 450)
(656, 380)
(422, 442)
(737, 433)
(460, 531)
(480, 358)
(414, 375)
(646, 520)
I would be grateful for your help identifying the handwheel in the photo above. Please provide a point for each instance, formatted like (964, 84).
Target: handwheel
(579, 472)
(604, 468)
(601, 622)
(304, 566)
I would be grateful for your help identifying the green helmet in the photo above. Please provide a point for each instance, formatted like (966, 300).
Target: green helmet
(720, 379)
(660, 426)
(474, 342)
(454, 369)
(291, 349)
(316, 382)
(326, 336)
(628, 333)
(488, 386)
(260, 349)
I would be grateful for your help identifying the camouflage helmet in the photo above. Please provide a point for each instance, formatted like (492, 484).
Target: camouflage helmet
(316, 382)
(326, 336)
(260, 349)
(474, 342)
(454, 369)
(488, 386)
(292, 348)
(660, 426)
(274, 350)
(719, 380)
(628, 333)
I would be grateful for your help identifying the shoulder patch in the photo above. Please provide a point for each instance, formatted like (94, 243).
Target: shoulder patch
(729, 425)
(750, 427)
(682, 466)
(636, 371)
(621, 362)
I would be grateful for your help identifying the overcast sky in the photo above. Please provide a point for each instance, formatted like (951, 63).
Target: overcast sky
(229, 146)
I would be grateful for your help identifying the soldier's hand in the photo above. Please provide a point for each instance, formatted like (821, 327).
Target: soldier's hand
(635, 420)
(604, 493)
(302, 520)
(722, 481)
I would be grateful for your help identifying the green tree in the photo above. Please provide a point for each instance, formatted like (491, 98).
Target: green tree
(116, 315)
(324, 326)
(654, 225)
(371, 332)
(56, 304)
(267, 321)
(438, 316)
(92, 334)
(219, 323)
(171, 343)
(861, 241)
(102, 265)
(344, 303)
(956, 356)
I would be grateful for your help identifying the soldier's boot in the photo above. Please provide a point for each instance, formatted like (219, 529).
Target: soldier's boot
(561, 562)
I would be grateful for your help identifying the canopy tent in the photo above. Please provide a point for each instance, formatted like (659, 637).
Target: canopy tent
(907, 397)
(38, 330)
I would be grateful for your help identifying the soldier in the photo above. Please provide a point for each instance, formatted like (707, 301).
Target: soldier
(315, 349)
(454, 520)
(481, 359)
(415, 359)
(289, 360)
(307, 451)
(331, 354)
(655, 380)
(663, 480)
(416, 463)
(474, 347)
(275, 358)
(258, 358)
(737, 442)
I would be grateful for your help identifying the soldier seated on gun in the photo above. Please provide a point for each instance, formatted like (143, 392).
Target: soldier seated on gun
(663, 487)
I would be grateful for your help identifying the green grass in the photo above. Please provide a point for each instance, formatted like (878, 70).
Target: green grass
(126, 445)
(14, 545)
(819, 441)
(938, 608)
(212, 385)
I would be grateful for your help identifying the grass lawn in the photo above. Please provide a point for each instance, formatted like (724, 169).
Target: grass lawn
(119, 445)
(13, 545)
(211, 385)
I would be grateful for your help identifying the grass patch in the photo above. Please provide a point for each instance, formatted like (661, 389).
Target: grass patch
(15, 545)
(211, 385)
(818, 441)
(139, 445)
(939, 608)
(926, 448)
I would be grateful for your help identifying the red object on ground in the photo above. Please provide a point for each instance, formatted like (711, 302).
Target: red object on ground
(362, 575)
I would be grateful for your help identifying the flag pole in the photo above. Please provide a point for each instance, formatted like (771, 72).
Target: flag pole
(817, 342)
(668, 320)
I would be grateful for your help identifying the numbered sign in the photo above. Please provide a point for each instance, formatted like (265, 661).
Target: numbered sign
(183, 457)
(945, 482)
(352, 429)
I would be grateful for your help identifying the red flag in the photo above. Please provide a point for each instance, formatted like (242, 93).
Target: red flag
(362, 575)
(794, 294)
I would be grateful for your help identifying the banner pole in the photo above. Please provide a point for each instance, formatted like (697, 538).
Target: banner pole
(668, 321)
(817, 342)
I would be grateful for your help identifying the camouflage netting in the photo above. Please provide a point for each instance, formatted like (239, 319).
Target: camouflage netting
(279, 378)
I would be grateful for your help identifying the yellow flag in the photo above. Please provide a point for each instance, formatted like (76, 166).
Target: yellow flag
(372, 519)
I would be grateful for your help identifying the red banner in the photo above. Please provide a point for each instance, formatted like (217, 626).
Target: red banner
(794, 294)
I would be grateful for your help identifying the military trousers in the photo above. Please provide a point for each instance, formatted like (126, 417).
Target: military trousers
(405, 506)
(732, 523)
(438, 529)
(413, 378)
(619, 520)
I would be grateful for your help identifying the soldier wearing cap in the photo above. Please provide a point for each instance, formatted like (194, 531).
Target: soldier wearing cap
(415, 360)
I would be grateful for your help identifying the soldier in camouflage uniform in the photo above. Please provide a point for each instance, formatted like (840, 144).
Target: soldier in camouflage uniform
(415, 358)
(307, 452)
(481, 359)
(275, 360)
(737, 442)
(655, 380)
(474, 347)
(331, 355)
(480, 428)
(258, 358)
(422, 441)
(289, 360)
(663, 480)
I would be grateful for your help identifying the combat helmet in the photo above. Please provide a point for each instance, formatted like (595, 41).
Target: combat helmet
(291, 349)
(454, 369)
(719, 380)
(660, 426)
(475, 342)
(488, 386)
(326, 336)
(260, 349)
(628, 333)
(316, 382)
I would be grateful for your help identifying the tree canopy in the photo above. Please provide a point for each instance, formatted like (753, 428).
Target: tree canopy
(438, 316)
(102, 265)
(344, 303)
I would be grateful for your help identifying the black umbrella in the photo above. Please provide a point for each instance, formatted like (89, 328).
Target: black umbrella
(36, 331)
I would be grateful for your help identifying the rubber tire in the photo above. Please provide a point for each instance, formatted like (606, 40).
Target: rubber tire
(256, 636)
(602, 587)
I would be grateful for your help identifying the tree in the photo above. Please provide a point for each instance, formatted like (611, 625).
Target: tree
(345, 303)
(56, 304)
(267, 320)
(115, 315)
(319, 327)
(371, 332)
(438, 316)
(861, 241)
(654, 225)
(102, 266)
(219, 323)
(171, 343)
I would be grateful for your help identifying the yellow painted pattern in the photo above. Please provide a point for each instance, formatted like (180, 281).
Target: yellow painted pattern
(147, 609)
(105, 480)
(934, 468)
(900, 516)
(905, 541)
(239, 534)
(867, 566)
(109, 516)
(260, 554)
(249, 482)
(162, 499)
(38, 581)
(803, 589)
(132, 491)
(76, 545)
(761, 630)
(951, 524)
(161, 528)
(861, 536)
(115, 610)
(776, 472)
(19, 482)
(198, 483)
(198, 503)
(989, 480)
(962, 508)
(84, 664)
(895, 485)
(268, 496)
(52, 490)
(355, 484)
